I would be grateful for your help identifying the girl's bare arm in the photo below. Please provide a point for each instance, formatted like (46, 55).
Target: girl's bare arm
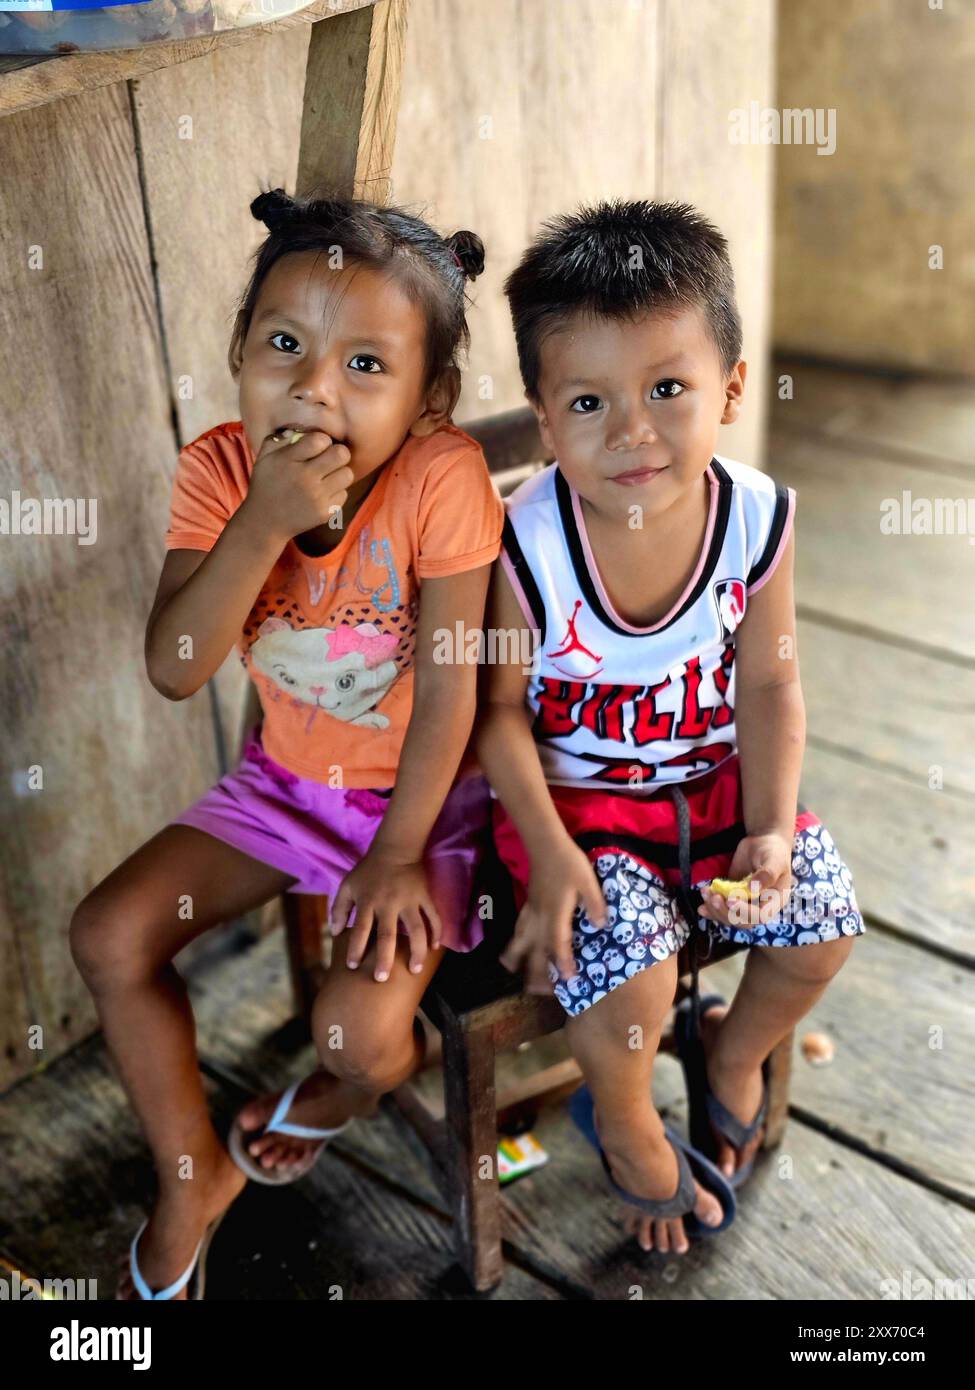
(444, 699)
(390, 882)
(560, 873)
(206, 596)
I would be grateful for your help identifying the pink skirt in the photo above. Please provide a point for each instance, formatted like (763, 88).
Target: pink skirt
(317, 833)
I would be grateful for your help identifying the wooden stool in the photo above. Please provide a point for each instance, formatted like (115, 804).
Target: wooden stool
(481, 1010)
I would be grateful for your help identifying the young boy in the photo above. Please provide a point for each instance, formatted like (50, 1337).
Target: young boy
(657, 578)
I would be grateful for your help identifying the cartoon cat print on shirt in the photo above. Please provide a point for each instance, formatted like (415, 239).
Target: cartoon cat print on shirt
(345, 671)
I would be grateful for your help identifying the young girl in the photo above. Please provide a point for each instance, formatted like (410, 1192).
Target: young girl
(657, 743)
(330, 532)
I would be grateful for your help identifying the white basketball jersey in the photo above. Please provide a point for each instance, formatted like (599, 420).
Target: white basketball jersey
(629, 707)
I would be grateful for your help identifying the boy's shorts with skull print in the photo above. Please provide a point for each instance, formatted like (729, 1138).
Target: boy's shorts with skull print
(632, 843)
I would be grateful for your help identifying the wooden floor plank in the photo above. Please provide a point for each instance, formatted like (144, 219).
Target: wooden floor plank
(930, 417)
(341, 1234)
(892, 706)
(878, 1011)
(351, 1232)
(911, 851)
(913, 587)
(817, 1221)
(77, 1179)
(903, 1028)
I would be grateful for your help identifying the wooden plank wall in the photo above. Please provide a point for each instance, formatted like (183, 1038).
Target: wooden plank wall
(853, 228)
(115, 355)
(524, 112)
(114, 352)
(86, 414)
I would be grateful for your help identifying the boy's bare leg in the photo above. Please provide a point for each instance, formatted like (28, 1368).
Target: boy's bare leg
(615, 1043)
(778, 988)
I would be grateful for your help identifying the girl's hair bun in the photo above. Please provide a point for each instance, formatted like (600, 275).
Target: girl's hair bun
(274, 208)
(469, 250)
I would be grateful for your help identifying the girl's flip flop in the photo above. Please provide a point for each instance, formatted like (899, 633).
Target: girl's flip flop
(691, 1166)
(239, 1138)
(194, 1274)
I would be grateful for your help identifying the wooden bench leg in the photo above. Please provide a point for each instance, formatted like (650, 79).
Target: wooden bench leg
(304, 914)
(780, 1073)
(472, 1153)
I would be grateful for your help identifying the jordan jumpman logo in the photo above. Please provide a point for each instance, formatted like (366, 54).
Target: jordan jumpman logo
(571, 643)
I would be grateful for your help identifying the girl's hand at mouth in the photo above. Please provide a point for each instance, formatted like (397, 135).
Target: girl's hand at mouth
(298, 483)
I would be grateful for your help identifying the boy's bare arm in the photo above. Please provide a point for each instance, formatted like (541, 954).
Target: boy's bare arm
(770, 714)
(560, 874)
(505, 746)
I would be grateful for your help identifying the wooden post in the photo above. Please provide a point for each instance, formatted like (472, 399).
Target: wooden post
(352, 83)
(780, 1072)
(472, 1136)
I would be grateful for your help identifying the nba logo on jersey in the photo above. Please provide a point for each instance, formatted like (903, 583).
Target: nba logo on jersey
(729, 595)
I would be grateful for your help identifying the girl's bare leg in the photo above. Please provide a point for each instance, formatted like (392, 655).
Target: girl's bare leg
(124, 935)
(369, 1041)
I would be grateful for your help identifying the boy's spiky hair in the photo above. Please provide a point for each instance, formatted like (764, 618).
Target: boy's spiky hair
(617, 260)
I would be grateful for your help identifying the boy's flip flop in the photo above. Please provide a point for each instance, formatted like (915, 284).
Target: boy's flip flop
(194, 1274)
(704, 1108)
(239, 1138)
(691, 1165)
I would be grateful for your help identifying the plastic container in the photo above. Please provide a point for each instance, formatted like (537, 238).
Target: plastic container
(67, 26)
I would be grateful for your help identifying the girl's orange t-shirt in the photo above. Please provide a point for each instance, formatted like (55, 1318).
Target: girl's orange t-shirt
(329, 641)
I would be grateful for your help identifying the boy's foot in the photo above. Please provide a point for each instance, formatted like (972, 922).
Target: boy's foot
(646, 1165)
(176, 1228)
(740, 1092)
(315, 1105)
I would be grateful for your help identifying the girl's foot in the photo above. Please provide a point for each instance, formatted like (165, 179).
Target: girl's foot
(316, 1104)
(176, 1228)
(644, 1162)
(739, 1091)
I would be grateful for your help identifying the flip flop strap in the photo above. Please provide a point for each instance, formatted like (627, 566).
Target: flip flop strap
(689, 898)
(143, 1288)
(737, 1134)
(278, 1126)
(682, 1202)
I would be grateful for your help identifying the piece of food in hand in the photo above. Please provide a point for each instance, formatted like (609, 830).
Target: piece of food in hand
(818, 1048)
(732, 887)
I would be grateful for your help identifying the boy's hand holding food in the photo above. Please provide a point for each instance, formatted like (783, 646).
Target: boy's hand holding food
(757, 886)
